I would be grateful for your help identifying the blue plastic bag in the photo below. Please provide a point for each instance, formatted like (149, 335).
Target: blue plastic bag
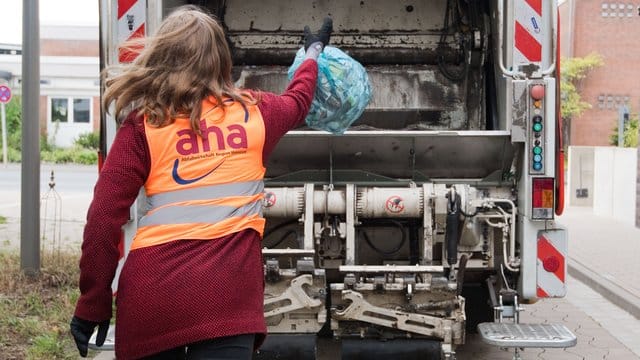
(342, 93)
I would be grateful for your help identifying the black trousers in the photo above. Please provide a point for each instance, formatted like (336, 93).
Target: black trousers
(239, 347)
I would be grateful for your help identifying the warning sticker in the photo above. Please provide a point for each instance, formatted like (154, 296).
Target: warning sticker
(395, 204)
(269, 199)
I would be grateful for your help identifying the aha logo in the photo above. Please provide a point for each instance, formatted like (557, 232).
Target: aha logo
(235, 137)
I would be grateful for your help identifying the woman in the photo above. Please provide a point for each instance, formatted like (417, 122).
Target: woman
(192, 285)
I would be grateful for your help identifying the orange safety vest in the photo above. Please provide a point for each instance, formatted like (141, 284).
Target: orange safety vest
(204, 187)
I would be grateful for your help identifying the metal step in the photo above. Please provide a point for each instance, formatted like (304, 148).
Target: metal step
(527, 335)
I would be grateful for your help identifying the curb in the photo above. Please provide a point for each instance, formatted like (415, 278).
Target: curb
(607, 288)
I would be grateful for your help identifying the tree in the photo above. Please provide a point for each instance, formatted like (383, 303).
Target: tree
(572, 72)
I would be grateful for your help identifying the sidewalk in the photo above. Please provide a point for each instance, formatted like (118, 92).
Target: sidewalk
(603, 254)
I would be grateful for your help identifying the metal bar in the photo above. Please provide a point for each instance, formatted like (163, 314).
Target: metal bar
(505, 72)
(401, 133)
(30, 197)
(390, 268)
(554, 37)
(427, 223)
(351, 225)
(308, 216)
(288, 252)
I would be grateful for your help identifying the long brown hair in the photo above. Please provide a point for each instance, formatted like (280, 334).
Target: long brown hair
(186, 61)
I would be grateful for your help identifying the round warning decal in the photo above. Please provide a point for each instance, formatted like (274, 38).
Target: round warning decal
(269, 199)
(395, 204)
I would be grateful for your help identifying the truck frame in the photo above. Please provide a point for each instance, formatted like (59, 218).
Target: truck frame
(434, 214)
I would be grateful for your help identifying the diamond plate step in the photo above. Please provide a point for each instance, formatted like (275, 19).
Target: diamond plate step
(527, 335)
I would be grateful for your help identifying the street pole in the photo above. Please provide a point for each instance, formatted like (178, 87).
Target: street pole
(623, 114)
(30, 197)
(4, 134)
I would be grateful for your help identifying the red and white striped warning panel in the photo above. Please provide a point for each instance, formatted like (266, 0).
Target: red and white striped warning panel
(131, 24)
(528, 32)
(551, 268)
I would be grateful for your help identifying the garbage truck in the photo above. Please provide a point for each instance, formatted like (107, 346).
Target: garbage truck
(430, 218)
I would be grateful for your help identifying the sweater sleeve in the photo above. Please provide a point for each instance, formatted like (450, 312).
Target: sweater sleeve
(123, 174)
(282, 113)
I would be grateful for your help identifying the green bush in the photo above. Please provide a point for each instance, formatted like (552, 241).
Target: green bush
(14, 122)
(90, 140)
(85, 156)
(58, 156)
(14, 139)
(629, 136)
(14, 155)
(45, 145)
(70, 155)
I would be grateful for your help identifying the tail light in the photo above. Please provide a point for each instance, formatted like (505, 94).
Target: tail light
(542, 198)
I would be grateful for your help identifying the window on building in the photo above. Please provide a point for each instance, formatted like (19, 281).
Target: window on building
(82, 110)
(59, 110)
(609, 102)
(601, 98)
(71, 110)
(618, 10)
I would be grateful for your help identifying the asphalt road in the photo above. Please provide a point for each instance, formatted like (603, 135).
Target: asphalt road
(77, 179)
(63, 207)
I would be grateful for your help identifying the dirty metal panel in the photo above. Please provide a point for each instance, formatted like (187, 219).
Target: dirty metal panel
(395, 154)
(349, 16)
(520, 111)
(373, 31)
(412, 97)
(258, 48)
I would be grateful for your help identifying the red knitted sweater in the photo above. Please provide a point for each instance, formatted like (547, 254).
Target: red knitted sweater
(186, 290)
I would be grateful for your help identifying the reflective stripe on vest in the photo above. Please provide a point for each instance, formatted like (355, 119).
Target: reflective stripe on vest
(206, 192)
(204, 213)
(204, 187)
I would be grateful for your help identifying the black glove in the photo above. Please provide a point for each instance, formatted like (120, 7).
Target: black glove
(82, 331)
(322, 35)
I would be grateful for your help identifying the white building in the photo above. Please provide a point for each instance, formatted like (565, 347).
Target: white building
(69, 80)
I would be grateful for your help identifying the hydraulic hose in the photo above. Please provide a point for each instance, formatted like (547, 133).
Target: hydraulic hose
(398, 247)
(452, 232)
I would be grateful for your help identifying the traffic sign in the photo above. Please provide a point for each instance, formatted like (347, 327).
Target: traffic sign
(5, 94)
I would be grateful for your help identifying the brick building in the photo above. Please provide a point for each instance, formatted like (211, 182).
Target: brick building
(609, 28)
(69, 80)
